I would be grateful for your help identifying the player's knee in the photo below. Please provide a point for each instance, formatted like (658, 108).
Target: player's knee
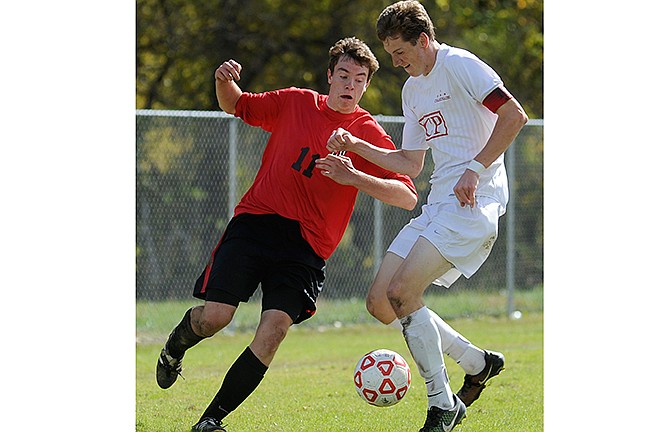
(267, 340)
(274, 338)
(394, 295)
(370, 306)
(375, 306)
(208, 325)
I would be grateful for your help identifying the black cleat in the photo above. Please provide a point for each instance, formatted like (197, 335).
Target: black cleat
(208, 424)
(474, 384)
(167, 369)
(439, 420)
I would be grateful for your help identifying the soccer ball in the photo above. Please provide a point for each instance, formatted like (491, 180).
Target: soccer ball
(382, 377)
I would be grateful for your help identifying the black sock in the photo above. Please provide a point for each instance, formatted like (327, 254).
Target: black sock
(182, 337)
(241, 380)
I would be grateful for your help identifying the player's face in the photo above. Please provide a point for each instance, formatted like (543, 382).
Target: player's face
(347, 84)
(410, 57)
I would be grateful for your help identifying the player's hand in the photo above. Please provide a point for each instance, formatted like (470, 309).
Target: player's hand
(228, 71)
(466, 187)
(340, 140)
(338, 168)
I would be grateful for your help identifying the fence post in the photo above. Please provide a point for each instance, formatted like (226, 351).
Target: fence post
(378, 229)
(232, 166)
(510, 163)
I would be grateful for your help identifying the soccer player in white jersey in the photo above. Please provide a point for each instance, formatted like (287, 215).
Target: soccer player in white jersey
(457, 106)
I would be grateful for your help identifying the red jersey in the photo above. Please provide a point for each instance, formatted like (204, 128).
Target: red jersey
(287, 183)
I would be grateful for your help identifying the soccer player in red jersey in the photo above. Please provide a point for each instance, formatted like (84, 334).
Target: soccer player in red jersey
(289, 221)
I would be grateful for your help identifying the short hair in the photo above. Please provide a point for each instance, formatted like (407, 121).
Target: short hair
(355, 49)
(407, 19)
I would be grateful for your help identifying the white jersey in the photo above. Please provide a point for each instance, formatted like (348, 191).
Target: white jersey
(443, 112)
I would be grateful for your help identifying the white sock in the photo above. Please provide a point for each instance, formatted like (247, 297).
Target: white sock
(453, 344)
(423, 340)
(467, 355)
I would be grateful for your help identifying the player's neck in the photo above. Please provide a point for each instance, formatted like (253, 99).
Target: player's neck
(431, 56)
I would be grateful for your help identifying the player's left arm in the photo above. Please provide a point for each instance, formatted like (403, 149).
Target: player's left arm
(511, 118)
(390, 191)
(227, 91)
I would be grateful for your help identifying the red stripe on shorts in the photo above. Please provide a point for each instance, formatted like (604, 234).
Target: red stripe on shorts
(208, 267)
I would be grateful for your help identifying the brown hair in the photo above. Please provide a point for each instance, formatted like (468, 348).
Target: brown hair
(407, 19)
(355, 49)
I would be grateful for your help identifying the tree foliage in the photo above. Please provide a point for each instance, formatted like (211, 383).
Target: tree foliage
(283, 43)
(280, 43)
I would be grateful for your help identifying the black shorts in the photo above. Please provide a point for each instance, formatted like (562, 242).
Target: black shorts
(265, 250)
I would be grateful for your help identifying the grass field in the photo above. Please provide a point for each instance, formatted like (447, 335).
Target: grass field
(309, 386)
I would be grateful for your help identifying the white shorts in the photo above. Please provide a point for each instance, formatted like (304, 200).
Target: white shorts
(463, 235)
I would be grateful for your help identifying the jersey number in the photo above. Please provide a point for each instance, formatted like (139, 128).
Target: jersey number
(297, 165)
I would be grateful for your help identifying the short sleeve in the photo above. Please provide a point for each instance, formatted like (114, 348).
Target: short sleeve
(260, 109)
(413, 134)
(477, 78)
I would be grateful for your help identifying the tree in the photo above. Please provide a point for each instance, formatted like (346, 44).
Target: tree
(283, 43)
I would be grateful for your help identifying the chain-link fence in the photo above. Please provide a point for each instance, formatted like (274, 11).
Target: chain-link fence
(193, 167)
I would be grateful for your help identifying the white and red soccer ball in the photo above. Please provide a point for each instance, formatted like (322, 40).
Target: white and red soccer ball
(382, 377)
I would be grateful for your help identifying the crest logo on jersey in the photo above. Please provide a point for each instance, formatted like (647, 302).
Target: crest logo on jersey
(443, 96)
(434, 125)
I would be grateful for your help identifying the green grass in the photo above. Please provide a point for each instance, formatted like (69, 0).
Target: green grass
(154, 321)
(309, 386)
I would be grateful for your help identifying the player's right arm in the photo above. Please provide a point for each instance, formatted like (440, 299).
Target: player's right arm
(227, 91)
(409, 162)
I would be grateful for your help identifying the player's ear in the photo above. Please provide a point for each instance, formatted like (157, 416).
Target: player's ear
(423, 40)
(330, 77)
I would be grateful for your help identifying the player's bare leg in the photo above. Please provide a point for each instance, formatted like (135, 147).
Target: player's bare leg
(424, 264)
(212, 317)
(405, 293)
(378, 306)
(270, 333)
(453, 343)
(198, 323)
(247, 372)
(377, 301)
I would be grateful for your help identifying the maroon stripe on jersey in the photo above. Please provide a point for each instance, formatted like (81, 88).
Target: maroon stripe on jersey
(496, 99)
